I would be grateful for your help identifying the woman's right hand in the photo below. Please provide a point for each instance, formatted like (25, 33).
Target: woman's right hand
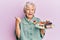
(18, 20)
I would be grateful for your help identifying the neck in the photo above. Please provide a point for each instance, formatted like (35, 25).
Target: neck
(29, 19)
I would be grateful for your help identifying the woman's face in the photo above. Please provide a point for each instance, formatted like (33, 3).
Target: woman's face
(30, 11)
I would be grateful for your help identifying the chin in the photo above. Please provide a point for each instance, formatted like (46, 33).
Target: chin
(30, 16)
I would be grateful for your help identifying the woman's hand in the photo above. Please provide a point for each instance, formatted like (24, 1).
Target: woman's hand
(42, 31)
(18, 20)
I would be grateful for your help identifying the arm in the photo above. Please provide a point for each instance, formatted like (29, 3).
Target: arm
(40, 27)
(18, 27)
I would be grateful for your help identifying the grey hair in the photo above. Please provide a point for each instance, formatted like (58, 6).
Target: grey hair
(27, 4)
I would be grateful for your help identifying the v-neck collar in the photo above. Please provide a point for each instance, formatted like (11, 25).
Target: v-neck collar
(30, 21)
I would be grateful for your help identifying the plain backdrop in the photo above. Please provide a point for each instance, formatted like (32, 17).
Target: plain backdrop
(45, 10)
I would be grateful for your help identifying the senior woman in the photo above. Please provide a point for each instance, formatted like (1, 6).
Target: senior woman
(26, 28)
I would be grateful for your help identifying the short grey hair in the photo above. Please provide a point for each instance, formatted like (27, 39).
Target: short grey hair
(27, 4)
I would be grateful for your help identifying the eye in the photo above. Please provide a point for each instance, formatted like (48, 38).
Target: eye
(27, 9)
(32, 9)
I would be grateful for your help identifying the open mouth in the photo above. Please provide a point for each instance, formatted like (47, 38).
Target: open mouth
(30, 14)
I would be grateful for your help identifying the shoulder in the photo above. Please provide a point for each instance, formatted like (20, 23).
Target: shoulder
(23, 20)
(37, 18)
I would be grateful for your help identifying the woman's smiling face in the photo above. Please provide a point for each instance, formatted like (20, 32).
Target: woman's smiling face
(29, 11)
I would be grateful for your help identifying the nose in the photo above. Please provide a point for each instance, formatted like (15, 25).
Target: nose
(30, 11)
